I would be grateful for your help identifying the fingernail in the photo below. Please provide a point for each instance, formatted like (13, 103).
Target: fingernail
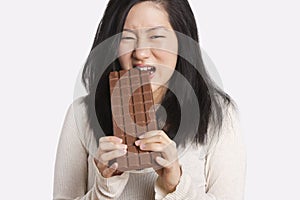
(114, 166)
(123, 151)
(138, 142)
(158, 158)
(141, 136)
(142, 146)
(119, 140)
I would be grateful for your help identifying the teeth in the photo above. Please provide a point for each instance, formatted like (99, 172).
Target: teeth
(150, 69)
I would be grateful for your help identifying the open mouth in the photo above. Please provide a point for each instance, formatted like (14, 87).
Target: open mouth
(148, 68)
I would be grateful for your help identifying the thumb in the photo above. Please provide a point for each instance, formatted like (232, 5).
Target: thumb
(108, 172)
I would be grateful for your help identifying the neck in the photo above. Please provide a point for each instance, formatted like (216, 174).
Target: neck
(158, 94)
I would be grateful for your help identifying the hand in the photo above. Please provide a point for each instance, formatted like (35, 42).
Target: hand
(158, 140)
(110, 147)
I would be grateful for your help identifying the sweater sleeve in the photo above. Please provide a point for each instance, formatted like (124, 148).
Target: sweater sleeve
(225, 168)
(71, 169)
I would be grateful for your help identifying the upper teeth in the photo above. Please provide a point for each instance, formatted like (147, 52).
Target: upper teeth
(147, 68)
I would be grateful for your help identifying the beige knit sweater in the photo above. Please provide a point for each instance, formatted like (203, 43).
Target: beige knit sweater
(209, 172)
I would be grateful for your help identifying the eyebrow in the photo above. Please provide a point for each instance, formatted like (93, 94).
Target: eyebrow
(148, 30)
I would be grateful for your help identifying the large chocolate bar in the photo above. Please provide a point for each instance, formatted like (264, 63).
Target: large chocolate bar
(133, 114)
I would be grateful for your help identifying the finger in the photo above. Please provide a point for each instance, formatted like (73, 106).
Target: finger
(153, 139)
(98, 158)
(153, 147)
(108, 146)
(113, 154)
(110, 139)
(100, 165)
(153, 133)
(108, 172)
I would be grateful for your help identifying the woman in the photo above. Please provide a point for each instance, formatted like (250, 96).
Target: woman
(203, 156)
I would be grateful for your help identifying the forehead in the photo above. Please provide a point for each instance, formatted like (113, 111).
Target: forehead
(147, 15)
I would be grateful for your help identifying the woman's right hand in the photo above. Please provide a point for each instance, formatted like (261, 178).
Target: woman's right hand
(110, 147)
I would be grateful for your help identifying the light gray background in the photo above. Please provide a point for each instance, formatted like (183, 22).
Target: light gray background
(254, 45)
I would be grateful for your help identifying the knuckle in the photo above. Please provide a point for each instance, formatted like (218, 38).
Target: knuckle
(160, 148)
(160, 137)
(101, 146)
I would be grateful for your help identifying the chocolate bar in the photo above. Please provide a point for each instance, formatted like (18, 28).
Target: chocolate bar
(133, 114)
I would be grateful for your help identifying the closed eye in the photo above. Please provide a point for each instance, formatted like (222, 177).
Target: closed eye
(157, 36)
(128, 38)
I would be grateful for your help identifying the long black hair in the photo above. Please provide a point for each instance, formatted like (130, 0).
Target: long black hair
(210, 98)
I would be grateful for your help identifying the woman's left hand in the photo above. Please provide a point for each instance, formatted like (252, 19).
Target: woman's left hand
(170, 173)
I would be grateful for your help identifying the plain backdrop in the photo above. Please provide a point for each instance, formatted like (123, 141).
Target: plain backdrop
(254, 45)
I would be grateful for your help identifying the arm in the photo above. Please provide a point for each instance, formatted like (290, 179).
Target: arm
(71, 173)
(224, 169)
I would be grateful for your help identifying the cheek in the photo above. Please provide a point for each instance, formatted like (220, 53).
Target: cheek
(166, 63)
(166, 58)
(173, 61)
(126, 47)
(125, 61)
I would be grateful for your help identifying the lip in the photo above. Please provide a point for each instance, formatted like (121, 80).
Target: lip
(141, 65)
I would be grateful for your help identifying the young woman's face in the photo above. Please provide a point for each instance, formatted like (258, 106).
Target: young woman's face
(149, 42)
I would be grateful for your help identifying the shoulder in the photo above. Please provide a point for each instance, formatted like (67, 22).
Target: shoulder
(74, 112)
(79, 108)
(230, 130)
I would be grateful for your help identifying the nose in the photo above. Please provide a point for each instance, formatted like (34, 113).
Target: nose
(141, 51)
